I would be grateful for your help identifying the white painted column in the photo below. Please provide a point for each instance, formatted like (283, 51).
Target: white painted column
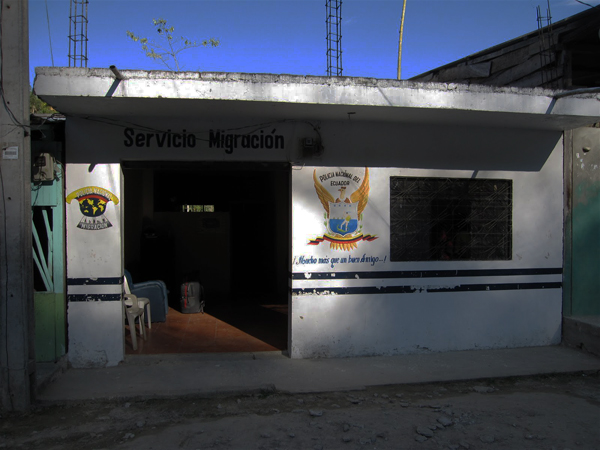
(94, 264)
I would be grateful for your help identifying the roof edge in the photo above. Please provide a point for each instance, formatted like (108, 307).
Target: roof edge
(134, 74)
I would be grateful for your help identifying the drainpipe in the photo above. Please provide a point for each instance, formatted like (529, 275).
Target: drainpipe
(115, 71)
(591, 90)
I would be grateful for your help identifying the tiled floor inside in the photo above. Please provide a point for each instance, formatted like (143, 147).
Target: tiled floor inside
(256, 328)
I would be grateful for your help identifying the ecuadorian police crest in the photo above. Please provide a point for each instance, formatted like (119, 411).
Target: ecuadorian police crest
(344, 200)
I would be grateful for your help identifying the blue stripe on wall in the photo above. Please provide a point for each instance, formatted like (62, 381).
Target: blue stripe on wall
(430, 289)
(94, 281)
(94, 297)
(425, 273)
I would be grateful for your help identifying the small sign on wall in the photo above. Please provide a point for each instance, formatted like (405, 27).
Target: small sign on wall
(10, 153)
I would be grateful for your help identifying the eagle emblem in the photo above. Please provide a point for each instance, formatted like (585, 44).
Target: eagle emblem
(343, 214)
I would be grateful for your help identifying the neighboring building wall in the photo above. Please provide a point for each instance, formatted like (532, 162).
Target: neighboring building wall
(582, 233)
(94, 264)
(565, 55)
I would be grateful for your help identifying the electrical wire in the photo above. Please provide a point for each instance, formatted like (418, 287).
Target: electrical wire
(49, 34)
(587, 4)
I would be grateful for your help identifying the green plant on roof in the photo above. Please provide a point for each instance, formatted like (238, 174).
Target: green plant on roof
(167, 47)
(38, 106)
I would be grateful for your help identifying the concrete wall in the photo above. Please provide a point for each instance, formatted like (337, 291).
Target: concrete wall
(366, 304)
(17, 339)
(94, 264)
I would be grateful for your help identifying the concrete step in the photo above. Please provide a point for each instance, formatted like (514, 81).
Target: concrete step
(582, 332)
(47, 372)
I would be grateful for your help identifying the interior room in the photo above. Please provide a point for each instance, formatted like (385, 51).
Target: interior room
(225, 226)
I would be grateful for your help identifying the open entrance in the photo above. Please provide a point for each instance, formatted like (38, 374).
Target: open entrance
(224, 225)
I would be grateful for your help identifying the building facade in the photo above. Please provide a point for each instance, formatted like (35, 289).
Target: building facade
(390, 217)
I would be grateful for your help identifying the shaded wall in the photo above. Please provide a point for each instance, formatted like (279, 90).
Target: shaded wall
(582, 234)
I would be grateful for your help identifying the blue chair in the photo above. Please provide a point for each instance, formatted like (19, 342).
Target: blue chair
(156, 292)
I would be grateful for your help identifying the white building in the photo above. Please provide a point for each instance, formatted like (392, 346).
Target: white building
(390, 216)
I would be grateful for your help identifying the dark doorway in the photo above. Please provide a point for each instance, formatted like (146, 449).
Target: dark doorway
(225, 225)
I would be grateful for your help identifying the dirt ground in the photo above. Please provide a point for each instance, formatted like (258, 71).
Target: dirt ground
(544, 412)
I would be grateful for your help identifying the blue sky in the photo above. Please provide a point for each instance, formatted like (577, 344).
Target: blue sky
(288, 36)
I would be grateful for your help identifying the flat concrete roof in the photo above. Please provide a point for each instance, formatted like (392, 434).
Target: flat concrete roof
(90, 92)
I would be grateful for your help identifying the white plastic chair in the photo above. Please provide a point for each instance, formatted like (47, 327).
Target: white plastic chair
(135, 307)
(143, 302)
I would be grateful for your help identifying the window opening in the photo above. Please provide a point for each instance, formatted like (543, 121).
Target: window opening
(449, 219)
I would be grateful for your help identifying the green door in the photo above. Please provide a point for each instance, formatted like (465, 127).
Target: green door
(47, 201)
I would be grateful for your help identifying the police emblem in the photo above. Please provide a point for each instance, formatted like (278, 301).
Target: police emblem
(344, 214)
(92, 204)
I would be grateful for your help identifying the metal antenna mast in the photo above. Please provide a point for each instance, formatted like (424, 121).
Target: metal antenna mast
(547, 64)
(333, 20)
(78, 24)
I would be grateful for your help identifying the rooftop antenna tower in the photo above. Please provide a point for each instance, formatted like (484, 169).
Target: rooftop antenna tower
(333, 20)
(547, 63)
(78, 25)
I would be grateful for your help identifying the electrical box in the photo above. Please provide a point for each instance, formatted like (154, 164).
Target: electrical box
(311, 147)
(43, 167)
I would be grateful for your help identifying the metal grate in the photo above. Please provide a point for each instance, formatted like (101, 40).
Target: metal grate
(438, 219)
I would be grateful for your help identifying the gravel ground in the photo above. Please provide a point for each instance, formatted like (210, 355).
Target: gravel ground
(543, 412)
